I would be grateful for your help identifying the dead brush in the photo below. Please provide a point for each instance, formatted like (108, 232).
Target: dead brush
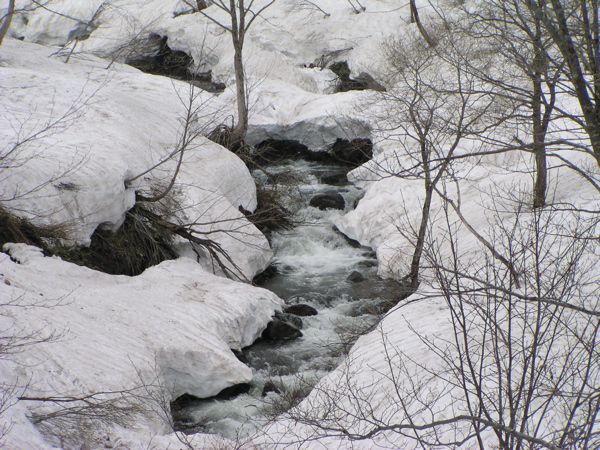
(20, 230)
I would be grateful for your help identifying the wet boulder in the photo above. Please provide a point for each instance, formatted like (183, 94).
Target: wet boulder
(331, 200)
(290, 318)
(355, 152)
(301, 310)
(356, 277)
(273, 150)
(279, 330)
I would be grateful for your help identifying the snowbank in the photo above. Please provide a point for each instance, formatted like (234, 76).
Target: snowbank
(86, 130)
(287, 98)
(175, 323)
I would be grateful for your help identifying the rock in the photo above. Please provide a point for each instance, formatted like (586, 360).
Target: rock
(205, 81)
(159, 59)
(341, 69)
(355, 277)
(351, 242)
(300, 309)
(328, 201)
(265, 275)
(369, 82)
(273, 150)
(368, 263)
(290, 318)
(278, 330)
(362, 82)
(335, 179)
(355, 152)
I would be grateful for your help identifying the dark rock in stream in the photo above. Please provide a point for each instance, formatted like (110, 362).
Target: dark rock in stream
(279, 330)
(354, 152)
(335, 179)
(273, 150)
(301, 310)
(290, 318)
(331, 200)
(356, 277)
(368, 263)
(351, 242)
(265, 275)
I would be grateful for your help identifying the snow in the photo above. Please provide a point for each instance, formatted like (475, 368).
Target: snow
(174, 322)
(281, 104)
(177, 320)
(102, 127)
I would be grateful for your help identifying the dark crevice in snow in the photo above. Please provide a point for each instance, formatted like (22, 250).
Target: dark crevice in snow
(157, 58)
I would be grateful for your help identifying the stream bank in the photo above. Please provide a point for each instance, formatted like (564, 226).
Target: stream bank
(332, 294)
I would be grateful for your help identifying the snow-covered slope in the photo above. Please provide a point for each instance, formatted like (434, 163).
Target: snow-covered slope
(279, 47)
(87, 130)
(175, 317)
(172, 326)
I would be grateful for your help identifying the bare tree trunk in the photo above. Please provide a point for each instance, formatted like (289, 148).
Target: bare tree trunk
(418, 253)
(239, 132)
(539, 134)
(562, 36)
(429, 185)
(414, 17)
(6, 20)
(242, 16)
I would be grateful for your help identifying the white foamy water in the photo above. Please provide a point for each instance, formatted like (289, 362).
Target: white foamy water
(313, 262)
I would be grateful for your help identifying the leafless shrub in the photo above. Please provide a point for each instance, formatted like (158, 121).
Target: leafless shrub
(519, 366)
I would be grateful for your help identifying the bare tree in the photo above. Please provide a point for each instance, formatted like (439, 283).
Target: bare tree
(521, 68)
(242, 15)
(518, 368)
(160, 206)
(414, 18)
(6, 19)
(430, 113)
(574, 27)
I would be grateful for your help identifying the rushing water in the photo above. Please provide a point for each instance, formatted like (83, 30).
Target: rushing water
(313, 263)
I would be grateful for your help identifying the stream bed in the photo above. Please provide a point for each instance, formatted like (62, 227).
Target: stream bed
(313, 265)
